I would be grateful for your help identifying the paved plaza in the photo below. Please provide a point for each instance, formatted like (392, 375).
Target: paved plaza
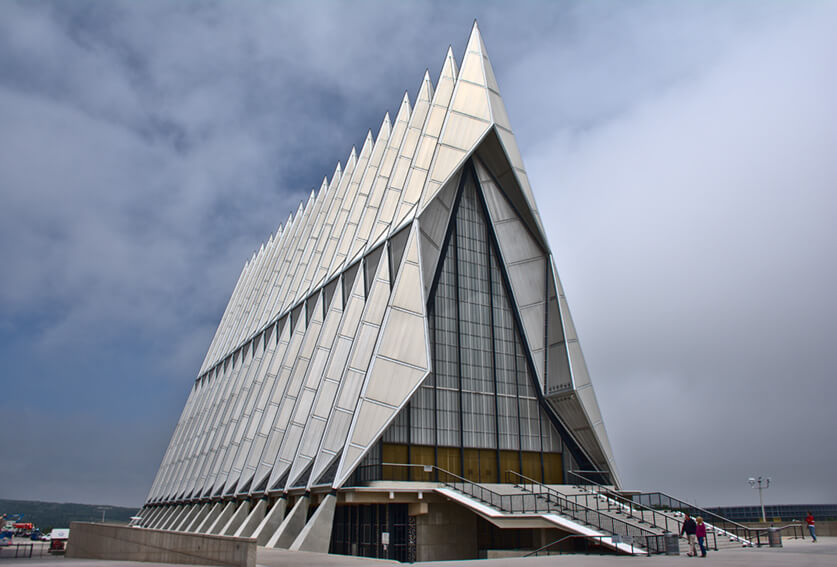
(794, 553)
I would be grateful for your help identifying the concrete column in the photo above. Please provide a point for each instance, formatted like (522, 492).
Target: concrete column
(253, 520)
(291, 525)
(236, 519)
(210, 518)
(316, 535)
(149, 517)
(271, 522)
(155, 516)
(198, 519)
(222, 518)
(164, 517)
(187, 519)
(173, 518)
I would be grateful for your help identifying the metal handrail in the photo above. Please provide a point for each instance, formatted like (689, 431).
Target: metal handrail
(536, 503)
(634, 509)
(590, 516)
(511, 503)
(738, 530)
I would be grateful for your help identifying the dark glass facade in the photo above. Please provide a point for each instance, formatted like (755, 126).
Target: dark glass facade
(478, 414)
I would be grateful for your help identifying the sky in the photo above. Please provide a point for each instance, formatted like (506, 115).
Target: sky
(682, 155)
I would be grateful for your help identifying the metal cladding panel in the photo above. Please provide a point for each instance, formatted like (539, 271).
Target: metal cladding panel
(365, 430)
(528, 279)
(405, 296)
(335, 437)
(376, 180)
(327, 392)
(292, 390)
(354, 376)
(403, 338)
(353, 205)
(390, 383)
(287, 350)
(402, 359)
(518, 244)
(471, 99)
(408, 150)
(241, 415)
(433, 223)
(312, 383)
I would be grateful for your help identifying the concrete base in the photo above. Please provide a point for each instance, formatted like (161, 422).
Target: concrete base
(316, 535)
(253, 520)
(125, 543)
(271, 522)
(292, 525)
(236, 519)
(226, 513)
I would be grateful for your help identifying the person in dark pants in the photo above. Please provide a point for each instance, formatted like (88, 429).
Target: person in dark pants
(809, 519)
(700, 532)
(689, 528)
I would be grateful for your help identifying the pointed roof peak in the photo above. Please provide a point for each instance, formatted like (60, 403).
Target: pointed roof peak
(426, 89)
(353, 153)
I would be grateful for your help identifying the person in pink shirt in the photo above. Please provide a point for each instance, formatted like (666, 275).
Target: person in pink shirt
(700, 532)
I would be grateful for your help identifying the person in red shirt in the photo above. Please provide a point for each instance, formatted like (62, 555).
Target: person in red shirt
(809, 519)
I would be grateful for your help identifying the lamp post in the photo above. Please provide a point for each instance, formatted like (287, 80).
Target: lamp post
(762, 483)
(103, 509)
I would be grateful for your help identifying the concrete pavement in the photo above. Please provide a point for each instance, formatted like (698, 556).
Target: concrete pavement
(801, 553)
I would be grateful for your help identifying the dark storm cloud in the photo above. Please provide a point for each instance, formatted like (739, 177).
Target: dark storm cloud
(681, 152)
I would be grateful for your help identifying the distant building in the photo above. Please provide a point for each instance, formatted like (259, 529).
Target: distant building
(400, 343)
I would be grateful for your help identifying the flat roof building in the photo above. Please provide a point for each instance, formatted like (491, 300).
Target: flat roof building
(398, 352)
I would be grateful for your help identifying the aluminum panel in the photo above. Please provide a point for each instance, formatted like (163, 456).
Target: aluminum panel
(446, 161)
(370, 415)
(403, 338)
(335, 436)
(392, 384)
(569, 326)
(533, 318)
(472, 100)
(527, 281)
(463, 132)
(471, 69)
(516, 242)
(409, 296)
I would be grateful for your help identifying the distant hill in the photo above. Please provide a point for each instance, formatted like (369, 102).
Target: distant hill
(48, 515)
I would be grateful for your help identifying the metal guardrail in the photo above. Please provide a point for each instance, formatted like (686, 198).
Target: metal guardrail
(651, 542)
(633, 509)
(661, 500)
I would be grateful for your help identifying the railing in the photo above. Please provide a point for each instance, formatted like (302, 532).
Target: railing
(662, 501)
(572, 536)
(540, 499)
(605, 496)
(650, 541)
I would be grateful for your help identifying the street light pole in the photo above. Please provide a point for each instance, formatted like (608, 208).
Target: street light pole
(762, 483)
